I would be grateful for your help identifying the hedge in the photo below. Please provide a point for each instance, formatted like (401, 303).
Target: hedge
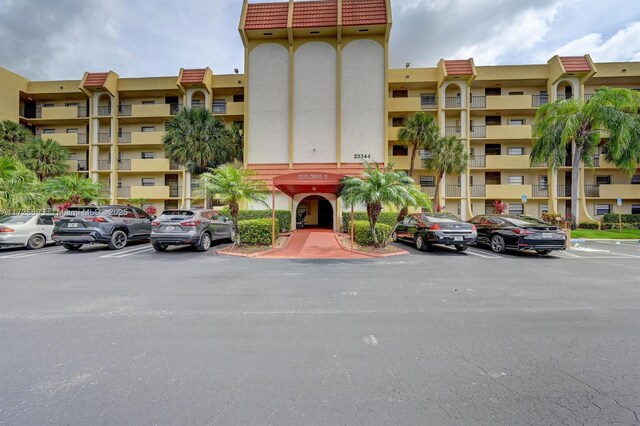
(386, 218)
(588, 225)
(626, 218)
(362, 232)
(255, 232)
(608, 226)
(282, 216)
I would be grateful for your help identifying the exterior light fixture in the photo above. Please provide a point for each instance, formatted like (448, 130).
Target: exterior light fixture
(408, 64)
(236, 70)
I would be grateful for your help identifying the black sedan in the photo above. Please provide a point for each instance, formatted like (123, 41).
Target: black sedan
(426, 229)
(502, 232)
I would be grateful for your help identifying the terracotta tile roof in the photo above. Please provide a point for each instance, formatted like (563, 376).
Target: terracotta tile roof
(308, 14)
(193, 76)
(96, 79)
(458, 67)
(364, 12)
(575, 63)
(264, 16)
(267, 172)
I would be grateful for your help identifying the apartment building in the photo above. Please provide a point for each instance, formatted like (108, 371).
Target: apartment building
(317, 98)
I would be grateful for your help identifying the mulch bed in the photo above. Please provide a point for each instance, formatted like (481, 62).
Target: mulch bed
(253, 250)
(345, 241)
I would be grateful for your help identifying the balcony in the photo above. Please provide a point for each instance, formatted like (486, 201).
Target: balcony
(499, 192)
(478, 132)
(497, 162)
(478, 190)
(150, 192)
(509, 102)
(61, 113)
(104, 138)
(145, 111)
(539, 100)
(429, 190)
(154, 164)
(592, 190)
(453, 191)
(588, 96)
(625, 192)
(392, 133)
(452, 131)
(541, 191)
(66, 139)
(401, 162)
(404, 104)
(429, 103)
(146, 138)
(453, 102)
(508, 132)
(104, 165)
(479, 161)
(124, 192)
(563, 97)
(175, 191)
(601, 161)
(478, 102)
(564, 191)
(104, 111)
(77, 165)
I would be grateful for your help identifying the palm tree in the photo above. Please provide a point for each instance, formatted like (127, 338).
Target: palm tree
(74, 188)
(236, 135)
(420, 131)
(382, 186)
(232, 186)
(573, 123)
(45, 157)
(447, 156)
(12, 136)
(20, 188)
(197, 139)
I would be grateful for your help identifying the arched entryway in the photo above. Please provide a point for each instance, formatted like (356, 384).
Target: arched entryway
(315, 211)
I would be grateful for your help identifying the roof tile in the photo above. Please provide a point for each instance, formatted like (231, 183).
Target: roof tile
(458, 67)
(309, 14)
(364, 12)
(96, 79)
(575, 63)
(265, 16)
(193, 76)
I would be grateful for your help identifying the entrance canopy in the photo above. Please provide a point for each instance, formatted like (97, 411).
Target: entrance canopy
(309, 182)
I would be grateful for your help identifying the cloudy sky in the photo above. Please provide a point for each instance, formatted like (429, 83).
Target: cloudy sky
(60, 39)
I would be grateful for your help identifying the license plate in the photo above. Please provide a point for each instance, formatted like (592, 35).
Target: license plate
(171, 228)
(547, 235)
(73, 225)
(458, 238)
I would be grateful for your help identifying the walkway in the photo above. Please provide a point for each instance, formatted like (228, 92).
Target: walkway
(313, 244)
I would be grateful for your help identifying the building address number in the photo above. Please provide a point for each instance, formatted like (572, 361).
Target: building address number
(362, 156)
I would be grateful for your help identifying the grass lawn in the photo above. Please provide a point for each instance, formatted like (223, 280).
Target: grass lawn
(627, 234)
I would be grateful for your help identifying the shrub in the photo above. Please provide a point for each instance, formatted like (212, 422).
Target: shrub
(614, 226)
(255, 232)
(626, 218)
(551, 217)
(283, 216)
(362, 232)
(588, 225)
(386, 218)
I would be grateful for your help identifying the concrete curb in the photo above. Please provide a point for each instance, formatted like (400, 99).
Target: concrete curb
(223, 251)
(375, 256)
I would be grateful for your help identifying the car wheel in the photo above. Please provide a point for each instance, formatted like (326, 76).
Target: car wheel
(36, 242)
(394, 236)
(420, 245)
(118, 240)
(543, 251)
(72, 247)
(205, 242)
(461, 247)
(159, 247)
(497, 244)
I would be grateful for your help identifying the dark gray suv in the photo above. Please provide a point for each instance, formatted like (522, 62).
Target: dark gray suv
(194, 227)
(112, 225)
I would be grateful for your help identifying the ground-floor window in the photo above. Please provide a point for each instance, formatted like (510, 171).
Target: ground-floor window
(603, 209)
(516, 208)
(635, 208)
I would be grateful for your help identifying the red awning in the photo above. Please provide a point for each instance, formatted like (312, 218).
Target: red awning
(309, 182)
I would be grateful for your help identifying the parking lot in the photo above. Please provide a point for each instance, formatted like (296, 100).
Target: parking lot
(182, 337)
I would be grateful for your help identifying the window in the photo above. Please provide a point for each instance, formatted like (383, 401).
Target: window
(71, 104)
(492, 91)
(73, 130)
(603, 180)
(544, 181)
(428, 99)
(603, 209)
(470, 180)
(516, 209)
(635, 180)
(544, 208)
(400, 150)
(73, 156)
(515, 150)
(493, 149)
(516, 180)
(398, 121)
(238, 98)
(400, 94)
(493, 120)
(635, 208)
(128, 214)
(119, 182)
(516, 93)
(148, 102)
(148, 182)
(48, 105)
(48, 131)
(148, 155)
(516, 122)
(148, 129)
(492, 178)
(219, 106)
(427, 181)
(45, 220)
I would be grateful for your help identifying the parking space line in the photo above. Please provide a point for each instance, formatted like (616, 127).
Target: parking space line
(129, 252)
(482, 254)
(30, 253)
(566, 254)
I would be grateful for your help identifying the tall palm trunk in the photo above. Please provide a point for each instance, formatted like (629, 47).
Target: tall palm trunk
(414, 151)
(373, 211)
(436, 195)
(234, 209)
(575, 184)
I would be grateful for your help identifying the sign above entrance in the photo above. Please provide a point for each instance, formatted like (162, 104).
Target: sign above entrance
(309, 183)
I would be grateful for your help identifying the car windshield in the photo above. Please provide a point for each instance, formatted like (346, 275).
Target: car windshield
(181, 213)
(525, 221)
(17, 220)
(440, 218)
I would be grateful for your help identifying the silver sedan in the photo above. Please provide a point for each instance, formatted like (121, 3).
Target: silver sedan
(26, 230)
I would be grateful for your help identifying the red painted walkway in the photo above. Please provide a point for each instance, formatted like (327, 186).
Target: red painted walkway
(313, 244)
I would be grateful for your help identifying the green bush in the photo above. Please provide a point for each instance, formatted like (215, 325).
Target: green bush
(283, 216)
(608, 226)
(386, 218)
(255, 232)
(588, 225)
(550, 217)
(362, 232)
(626, 218)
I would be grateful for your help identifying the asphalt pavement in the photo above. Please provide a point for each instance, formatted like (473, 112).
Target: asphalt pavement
(187, 338)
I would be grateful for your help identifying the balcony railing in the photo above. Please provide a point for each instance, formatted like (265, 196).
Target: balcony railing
(124, 192)
(592, 190)
(452, 191)
(453, 102)
(478, 132)
(478, 161)
(220, 106)
(104, 165)
(124, 164)
(81, 166)
(174, 166)
(563, 97)
(430, 190)
(588, 96)
(540, 190)
(82, 112)
(430, 103)
(83, 139)
(478, 191)
(539, 100)
(175, 191)
(452, 131)
(124, 137)
(124, 110)
(174, 109)
(104, 111)
(197, 104)
(564, 190)
(478, 101)
(596, 161)
(104, 138)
